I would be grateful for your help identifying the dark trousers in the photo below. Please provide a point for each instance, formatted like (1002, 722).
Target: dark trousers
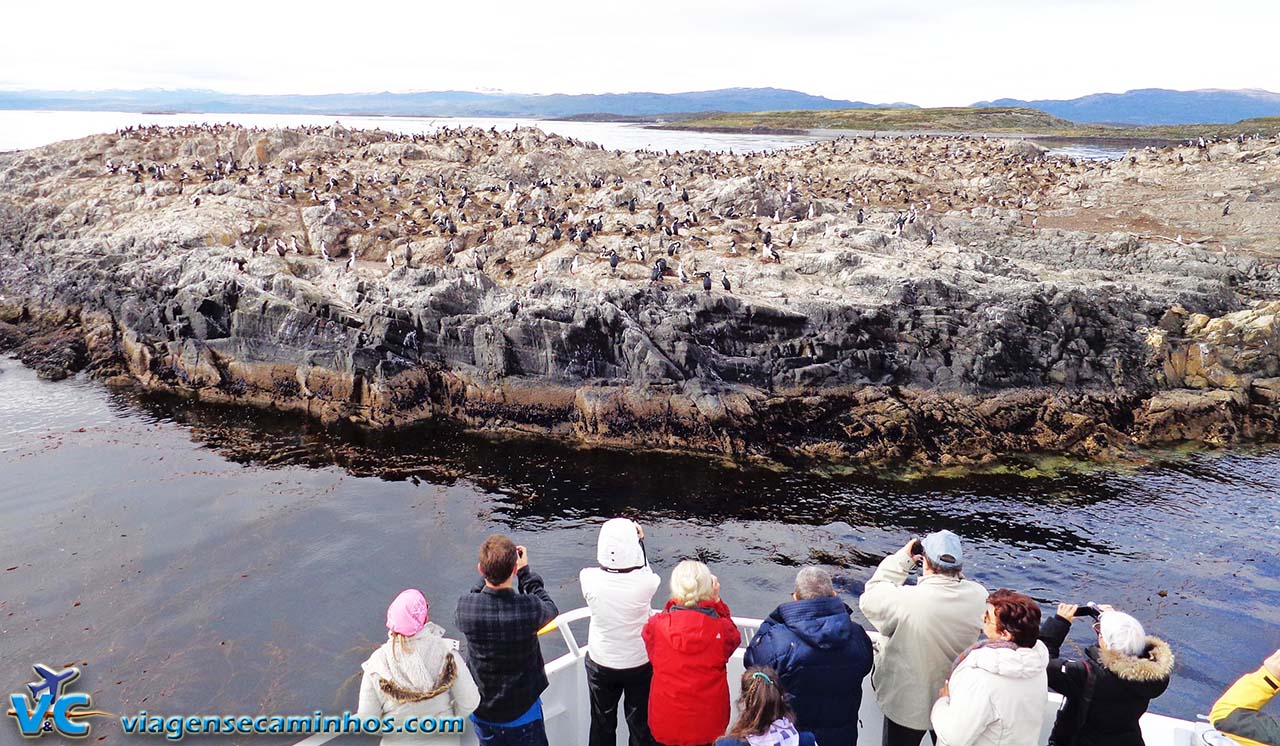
(901, 735)
(607, 686)
(529, 734)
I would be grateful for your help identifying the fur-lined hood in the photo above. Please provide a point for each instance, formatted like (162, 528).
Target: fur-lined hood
(1154, 666)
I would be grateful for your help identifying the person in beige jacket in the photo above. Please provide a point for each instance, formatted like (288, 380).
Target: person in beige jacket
(416, 673)
(923, 628)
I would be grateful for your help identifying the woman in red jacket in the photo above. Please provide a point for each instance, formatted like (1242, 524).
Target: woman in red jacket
(689, 644)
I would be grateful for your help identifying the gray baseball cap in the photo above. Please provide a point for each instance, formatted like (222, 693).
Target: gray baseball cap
(943, 549)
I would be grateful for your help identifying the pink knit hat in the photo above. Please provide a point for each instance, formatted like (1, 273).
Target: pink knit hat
(407, 615)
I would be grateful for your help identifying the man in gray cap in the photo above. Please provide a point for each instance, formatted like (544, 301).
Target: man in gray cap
(924, 627)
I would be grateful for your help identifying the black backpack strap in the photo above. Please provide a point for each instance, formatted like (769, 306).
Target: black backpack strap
(1086, 699)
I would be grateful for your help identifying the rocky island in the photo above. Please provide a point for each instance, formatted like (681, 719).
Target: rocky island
(936, 300)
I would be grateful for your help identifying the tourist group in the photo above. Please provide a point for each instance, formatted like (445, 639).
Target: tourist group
(969, 667)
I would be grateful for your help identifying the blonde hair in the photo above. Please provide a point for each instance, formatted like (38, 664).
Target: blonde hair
(400, 644)
(691, 583)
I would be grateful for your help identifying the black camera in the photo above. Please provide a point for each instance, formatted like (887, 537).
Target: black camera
(1089, 610)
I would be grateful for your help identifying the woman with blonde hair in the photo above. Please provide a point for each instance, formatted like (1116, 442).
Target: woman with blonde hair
(689, 642)
(415, 673)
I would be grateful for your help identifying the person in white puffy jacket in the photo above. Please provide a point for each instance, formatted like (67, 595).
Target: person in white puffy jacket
(416, 673)
(619, 593)
(995, 695)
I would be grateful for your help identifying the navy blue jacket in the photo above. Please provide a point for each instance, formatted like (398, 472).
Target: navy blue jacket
(822, 657)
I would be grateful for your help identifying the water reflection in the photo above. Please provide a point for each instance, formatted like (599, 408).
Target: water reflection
(543, 481)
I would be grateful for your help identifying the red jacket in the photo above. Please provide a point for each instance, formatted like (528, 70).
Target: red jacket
(688, 647)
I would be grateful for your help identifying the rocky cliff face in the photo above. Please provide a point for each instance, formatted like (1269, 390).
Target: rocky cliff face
(937, 300)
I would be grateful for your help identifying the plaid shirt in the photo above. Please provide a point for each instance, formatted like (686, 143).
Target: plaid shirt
(501, 627)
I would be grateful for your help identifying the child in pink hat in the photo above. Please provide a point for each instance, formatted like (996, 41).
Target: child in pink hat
(416, 672)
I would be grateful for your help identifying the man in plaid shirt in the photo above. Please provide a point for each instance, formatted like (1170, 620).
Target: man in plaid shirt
(500, 618)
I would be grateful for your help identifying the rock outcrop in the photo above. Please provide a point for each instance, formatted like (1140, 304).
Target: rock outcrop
(937, 300)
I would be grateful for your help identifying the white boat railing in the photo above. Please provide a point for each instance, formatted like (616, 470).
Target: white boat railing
(567, 712)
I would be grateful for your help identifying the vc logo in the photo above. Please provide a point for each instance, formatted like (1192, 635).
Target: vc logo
(50, 707)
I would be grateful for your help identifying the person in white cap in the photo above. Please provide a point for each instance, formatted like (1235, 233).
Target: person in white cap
(923, 628)
(619, 593)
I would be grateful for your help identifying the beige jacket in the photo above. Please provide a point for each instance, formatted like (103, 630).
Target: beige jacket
(924, 629)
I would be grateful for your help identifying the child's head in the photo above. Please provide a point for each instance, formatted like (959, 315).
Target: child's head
(763, 701)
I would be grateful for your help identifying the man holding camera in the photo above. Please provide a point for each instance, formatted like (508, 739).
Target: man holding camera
(500, 618)
(924, 627)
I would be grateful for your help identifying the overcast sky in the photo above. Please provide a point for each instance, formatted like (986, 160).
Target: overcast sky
(927, 52)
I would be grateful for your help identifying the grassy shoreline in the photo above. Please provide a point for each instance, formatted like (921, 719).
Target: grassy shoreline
(1001, 120)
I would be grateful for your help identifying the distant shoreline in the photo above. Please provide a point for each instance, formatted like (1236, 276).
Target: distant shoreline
(1024, 124)
(1099, 140)
(1001, 122)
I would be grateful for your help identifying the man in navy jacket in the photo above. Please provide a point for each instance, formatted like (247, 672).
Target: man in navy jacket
(821, 655)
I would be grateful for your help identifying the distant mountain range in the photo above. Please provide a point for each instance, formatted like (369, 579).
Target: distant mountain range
(1157, 106)
(430, 103)
(1147, 106)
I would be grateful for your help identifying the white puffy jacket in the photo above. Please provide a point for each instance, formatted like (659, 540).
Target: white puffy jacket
(997, 698)
(620, 594)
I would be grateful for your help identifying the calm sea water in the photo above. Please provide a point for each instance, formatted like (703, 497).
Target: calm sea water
(202, 560)
(29, 129)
